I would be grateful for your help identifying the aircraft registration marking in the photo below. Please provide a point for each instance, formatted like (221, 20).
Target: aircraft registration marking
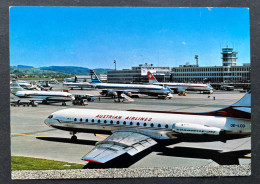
(27, 135)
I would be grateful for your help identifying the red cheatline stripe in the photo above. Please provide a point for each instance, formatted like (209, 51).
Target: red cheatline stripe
(92, 161)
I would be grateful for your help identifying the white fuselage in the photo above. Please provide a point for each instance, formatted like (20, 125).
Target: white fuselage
(77, 84)
(45, 95)
(144, 89)
(155, 125)
(188, 86)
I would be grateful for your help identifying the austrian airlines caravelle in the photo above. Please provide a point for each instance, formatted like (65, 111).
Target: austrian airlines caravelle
(45, 96)
(177, 87)
(134, 131)
(113, 89)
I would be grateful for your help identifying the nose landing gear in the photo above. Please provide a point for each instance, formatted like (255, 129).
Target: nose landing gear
(73, 137)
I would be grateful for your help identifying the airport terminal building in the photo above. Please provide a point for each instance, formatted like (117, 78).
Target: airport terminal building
(138, 74)
(228, 72)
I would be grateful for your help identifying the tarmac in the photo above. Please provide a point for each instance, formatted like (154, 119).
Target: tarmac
(31, 137)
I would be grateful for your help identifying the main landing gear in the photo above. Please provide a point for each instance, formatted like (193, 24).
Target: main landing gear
(63, 103)
(73, 137)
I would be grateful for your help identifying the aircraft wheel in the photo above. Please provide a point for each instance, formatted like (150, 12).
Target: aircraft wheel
(74, 138)
(63, 104)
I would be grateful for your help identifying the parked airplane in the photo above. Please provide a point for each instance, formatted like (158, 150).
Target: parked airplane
(112, 89)
(45, 96)
(24, 84)
(181, 87)
(133, 131)
(80, 85)
(53, 81)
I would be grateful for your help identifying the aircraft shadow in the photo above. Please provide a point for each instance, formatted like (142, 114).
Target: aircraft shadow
(125, 160)
(68, 140)
(226, 158)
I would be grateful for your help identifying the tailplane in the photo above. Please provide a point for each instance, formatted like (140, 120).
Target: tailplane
(94, 77)
(151, 78)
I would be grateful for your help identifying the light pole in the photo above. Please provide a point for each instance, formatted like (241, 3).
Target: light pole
(197, 58)
(115, 64)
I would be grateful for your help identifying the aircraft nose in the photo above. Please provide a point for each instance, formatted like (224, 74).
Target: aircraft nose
(47, 121)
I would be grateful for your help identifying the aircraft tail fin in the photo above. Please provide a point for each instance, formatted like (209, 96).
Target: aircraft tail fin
(14, 86)
(94, 77)
(240, 109)
(151, 78)
(245, 101)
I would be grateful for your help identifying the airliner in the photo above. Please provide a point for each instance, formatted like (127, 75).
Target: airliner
(80, 85)
(113, 89)
(24, 84)
(133, 131)
(45, 96)
(180, 87)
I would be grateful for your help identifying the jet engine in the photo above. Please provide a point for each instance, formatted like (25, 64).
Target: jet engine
(128, 93)
(111, 93)
(189, 128)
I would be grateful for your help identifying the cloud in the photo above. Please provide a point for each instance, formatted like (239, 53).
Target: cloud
(183, 43)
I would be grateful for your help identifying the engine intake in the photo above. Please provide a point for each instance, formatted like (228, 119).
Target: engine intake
(127, 93)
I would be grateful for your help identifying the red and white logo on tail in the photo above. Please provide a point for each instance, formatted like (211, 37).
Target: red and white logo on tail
(151, 78)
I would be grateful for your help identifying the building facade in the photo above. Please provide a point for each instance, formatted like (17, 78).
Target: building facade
(211, 74)
(228, 72)
(138, 74)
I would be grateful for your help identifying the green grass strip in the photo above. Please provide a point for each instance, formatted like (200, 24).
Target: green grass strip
(30, 163)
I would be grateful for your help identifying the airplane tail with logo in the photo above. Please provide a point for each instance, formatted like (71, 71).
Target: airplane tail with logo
(14, 87)
(151, 78)
(94, 77)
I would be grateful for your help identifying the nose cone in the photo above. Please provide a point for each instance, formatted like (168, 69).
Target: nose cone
(47, 121)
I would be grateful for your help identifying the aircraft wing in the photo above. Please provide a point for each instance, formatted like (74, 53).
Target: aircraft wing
(117, 144)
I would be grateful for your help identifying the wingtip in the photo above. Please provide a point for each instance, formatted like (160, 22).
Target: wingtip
(90, 160)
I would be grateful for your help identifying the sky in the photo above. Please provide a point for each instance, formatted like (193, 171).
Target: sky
(94, 37)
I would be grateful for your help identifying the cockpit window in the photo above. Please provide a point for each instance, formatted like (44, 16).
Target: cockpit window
(50, 116)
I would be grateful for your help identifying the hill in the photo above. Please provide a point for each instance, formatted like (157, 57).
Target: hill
(74, 70)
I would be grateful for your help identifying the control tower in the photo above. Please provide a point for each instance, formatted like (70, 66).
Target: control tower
(229, 57)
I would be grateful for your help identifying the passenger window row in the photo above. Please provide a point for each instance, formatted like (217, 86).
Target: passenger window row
(122, 123)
